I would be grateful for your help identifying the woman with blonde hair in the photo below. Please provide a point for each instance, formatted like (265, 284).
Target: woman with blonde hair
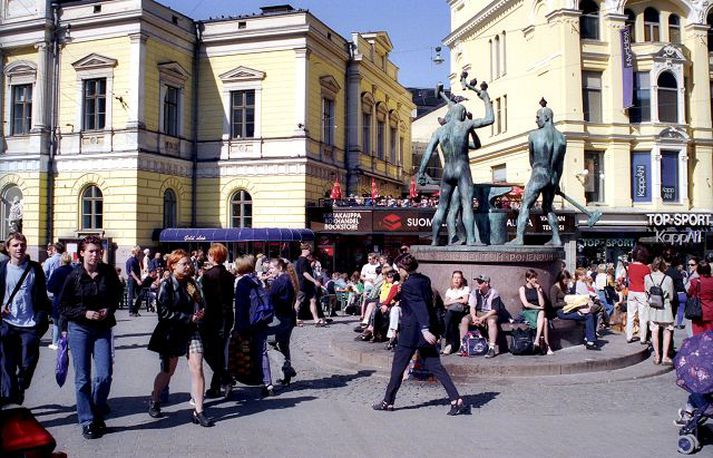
(660, 319)
(180, 308)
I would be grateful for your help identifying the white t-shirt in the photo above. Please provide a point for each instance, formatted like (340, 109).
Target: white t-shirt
(369, 274)
(600, 281)
(457, 293)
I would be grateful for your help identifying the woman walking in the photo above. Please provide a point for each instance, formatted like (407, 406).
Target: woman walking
(702, 288)
(282, 295)
(660, 319)
(89, 299)
(417, 333)
(636, 301)
(247, 285)
(180, 308)
(217, 284)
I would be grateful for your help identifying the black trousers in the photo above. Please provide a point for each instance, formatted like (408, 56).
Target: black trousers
(451, 322)
(215, 351)
(19, 353)
(431, 362)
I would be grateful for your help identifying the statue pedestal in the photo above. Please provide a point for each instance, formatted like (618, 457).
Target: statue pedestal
(505, 265)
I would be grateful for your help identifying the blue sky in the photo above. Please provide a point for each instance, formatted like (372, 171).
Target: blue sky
(415, 26)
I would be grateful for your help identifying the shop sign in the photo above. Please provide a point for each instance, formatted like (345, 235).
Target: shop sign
(678, 238)
(538, 224)
(679, 228)
(607, 243)
(340, 221)
(404, 220)
(194, 238)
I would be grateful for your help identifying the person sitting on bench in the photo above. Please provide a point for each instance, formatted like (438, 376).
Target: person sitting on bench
(485, 308)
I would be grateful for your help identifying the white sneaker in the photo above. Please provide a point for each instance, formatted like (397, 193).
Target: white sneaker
(447, 350)
(192, 403)
(52, 347)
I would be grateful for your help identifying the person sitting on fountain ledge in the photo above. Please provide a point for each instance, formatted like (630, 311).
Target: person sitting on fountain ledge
(485, 308)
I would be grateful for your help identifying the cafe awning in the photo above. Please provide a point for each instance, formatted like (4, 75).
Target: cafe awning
(263, 234)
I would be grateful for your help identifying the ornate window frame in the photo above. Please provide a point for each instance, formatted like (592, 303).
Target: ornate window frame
(95, 66)
(18, 73)
(241, 79)
(174, 75)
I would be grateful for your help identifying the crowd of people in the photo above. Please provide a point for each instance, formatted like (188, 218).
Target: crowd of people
(201, 305)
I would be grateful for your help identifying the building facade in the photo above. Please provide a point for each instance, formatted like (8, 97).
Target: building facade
(630, 86)
(124, 117)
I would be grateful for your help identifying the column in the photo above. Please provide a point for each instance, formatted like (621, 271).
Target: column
(701, 185)
(354, 120)
(566, 83)
(301, 89)
(696, 40)
(137, 106)
(617, 169)
(4, 124)
(656, 176)
(683, 176)
(40, 110)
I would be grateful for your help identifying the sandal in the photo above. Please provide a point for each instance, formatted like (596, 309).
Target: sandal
(667, 362)
(383, 405)
(300, 323)
(657, 361)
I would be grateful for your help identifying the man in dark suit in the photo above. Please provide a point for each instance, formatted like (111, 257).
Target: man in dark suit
(417, 331)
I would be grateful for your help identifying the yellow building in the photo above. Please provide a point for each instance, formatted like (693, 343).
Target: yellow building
(125, 117)
(628, 158)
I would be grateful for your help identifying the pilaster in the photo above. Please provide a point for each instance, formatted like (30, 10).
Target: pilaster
(301, 91)
(40, 110)
(701, 186)
(137, 106)
(700, 106)
(614, 76)
(617, 169)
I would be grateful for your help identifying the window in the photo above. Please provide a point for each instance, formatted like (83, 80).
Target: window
(631, 23)
(709, 21)
(651, 24)
(668, 97)
(241, 209)
(92, 208)
(500, 173)
(242, 109)
(94, 104)
(641, 111)
(669, 176)
(9, 194)
(496, 45)
(380, 134)
(366, 132)
(21, 109)
(592, 96)
(170, 111)
(497, 125)
(169, 208)
(502, 40)
(505, 113)
(674, 29)
(392, 145)
(327, 121)
(589, 21)
(594, 181)
(492, 54)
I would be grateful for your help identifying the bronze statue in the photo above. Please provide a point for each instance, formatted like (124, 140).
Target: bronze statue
(456, 190)
(547, 148)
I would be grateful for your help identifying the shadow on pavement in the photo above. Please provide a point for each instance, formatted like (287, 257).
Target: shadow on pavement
(333, 381)
(476, 401)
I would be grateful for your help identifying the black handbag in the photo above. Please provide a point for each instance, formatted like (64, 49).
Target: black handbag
(693, 310)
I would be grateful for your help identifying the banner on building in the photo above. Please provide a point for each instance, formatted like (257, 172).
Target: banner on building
(641, 176)
(669, 176)
(627, 64)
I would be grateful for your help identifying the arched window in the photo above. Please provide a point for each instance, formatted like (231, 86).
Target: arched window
(589, 21)
(9, 194)
(92, 208)
(709, 21)
(668, 97)
(631, 23)
(651, 24)
(241, 209)
(169, 208)
(674, 29)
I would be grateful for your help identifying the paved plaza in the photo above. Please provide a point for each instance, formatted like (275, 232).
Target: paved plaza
(326, 412)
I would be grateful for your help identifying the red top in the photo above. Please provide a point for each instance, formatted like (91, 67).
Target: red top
(637, 272)
(705, 294)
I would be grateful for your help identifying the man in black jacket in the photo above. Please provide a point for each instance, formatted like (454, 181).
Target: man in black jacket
(25, 311)
(417, 332)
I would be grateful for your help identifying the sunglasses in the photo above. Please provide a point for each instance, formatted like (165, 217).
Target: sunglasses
(692, 264)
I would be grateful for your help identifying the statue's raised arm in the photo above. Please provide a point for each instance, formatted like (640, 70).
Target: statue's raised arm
(483, 95)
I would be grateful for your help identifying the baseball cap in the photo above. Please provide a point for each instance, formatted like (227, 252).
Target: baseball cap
(482, 279)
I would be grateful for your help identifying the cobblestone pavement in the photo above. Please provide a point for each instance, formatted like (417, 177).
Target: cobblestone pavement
(326, 411)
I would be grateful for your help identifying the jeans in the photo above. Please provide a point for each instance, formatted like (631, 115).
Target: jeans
(608, 307)
(261, 347)
(283, 334)
(682, 298)
(87, 342)
(55, 333)
(132, 295)
(590, 323)
(19, 353)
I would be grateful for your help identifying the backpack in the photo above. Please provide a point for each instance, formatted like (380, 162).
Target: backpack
(474, 344)
(261, 309)
(521, 342)
(656, 294)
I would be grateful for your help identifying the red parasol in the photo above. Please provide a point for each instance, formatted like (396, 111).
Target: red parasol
(336, 193)
(412, 188)
(374, 189)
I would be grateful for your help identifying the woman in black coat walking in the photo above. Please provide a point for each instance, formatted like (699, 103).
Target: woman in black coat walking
(417, 333)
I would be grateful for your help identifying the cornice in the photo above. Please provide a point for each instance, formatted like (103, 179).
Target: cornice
(483, 17)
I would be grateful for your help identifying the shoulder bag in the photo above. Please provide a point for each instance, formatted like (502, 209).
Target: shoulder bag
(693, 310)
(17, 286)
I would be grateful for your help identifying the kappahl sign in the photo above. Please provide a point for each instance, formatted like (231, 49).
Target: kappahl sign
(680, 228)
